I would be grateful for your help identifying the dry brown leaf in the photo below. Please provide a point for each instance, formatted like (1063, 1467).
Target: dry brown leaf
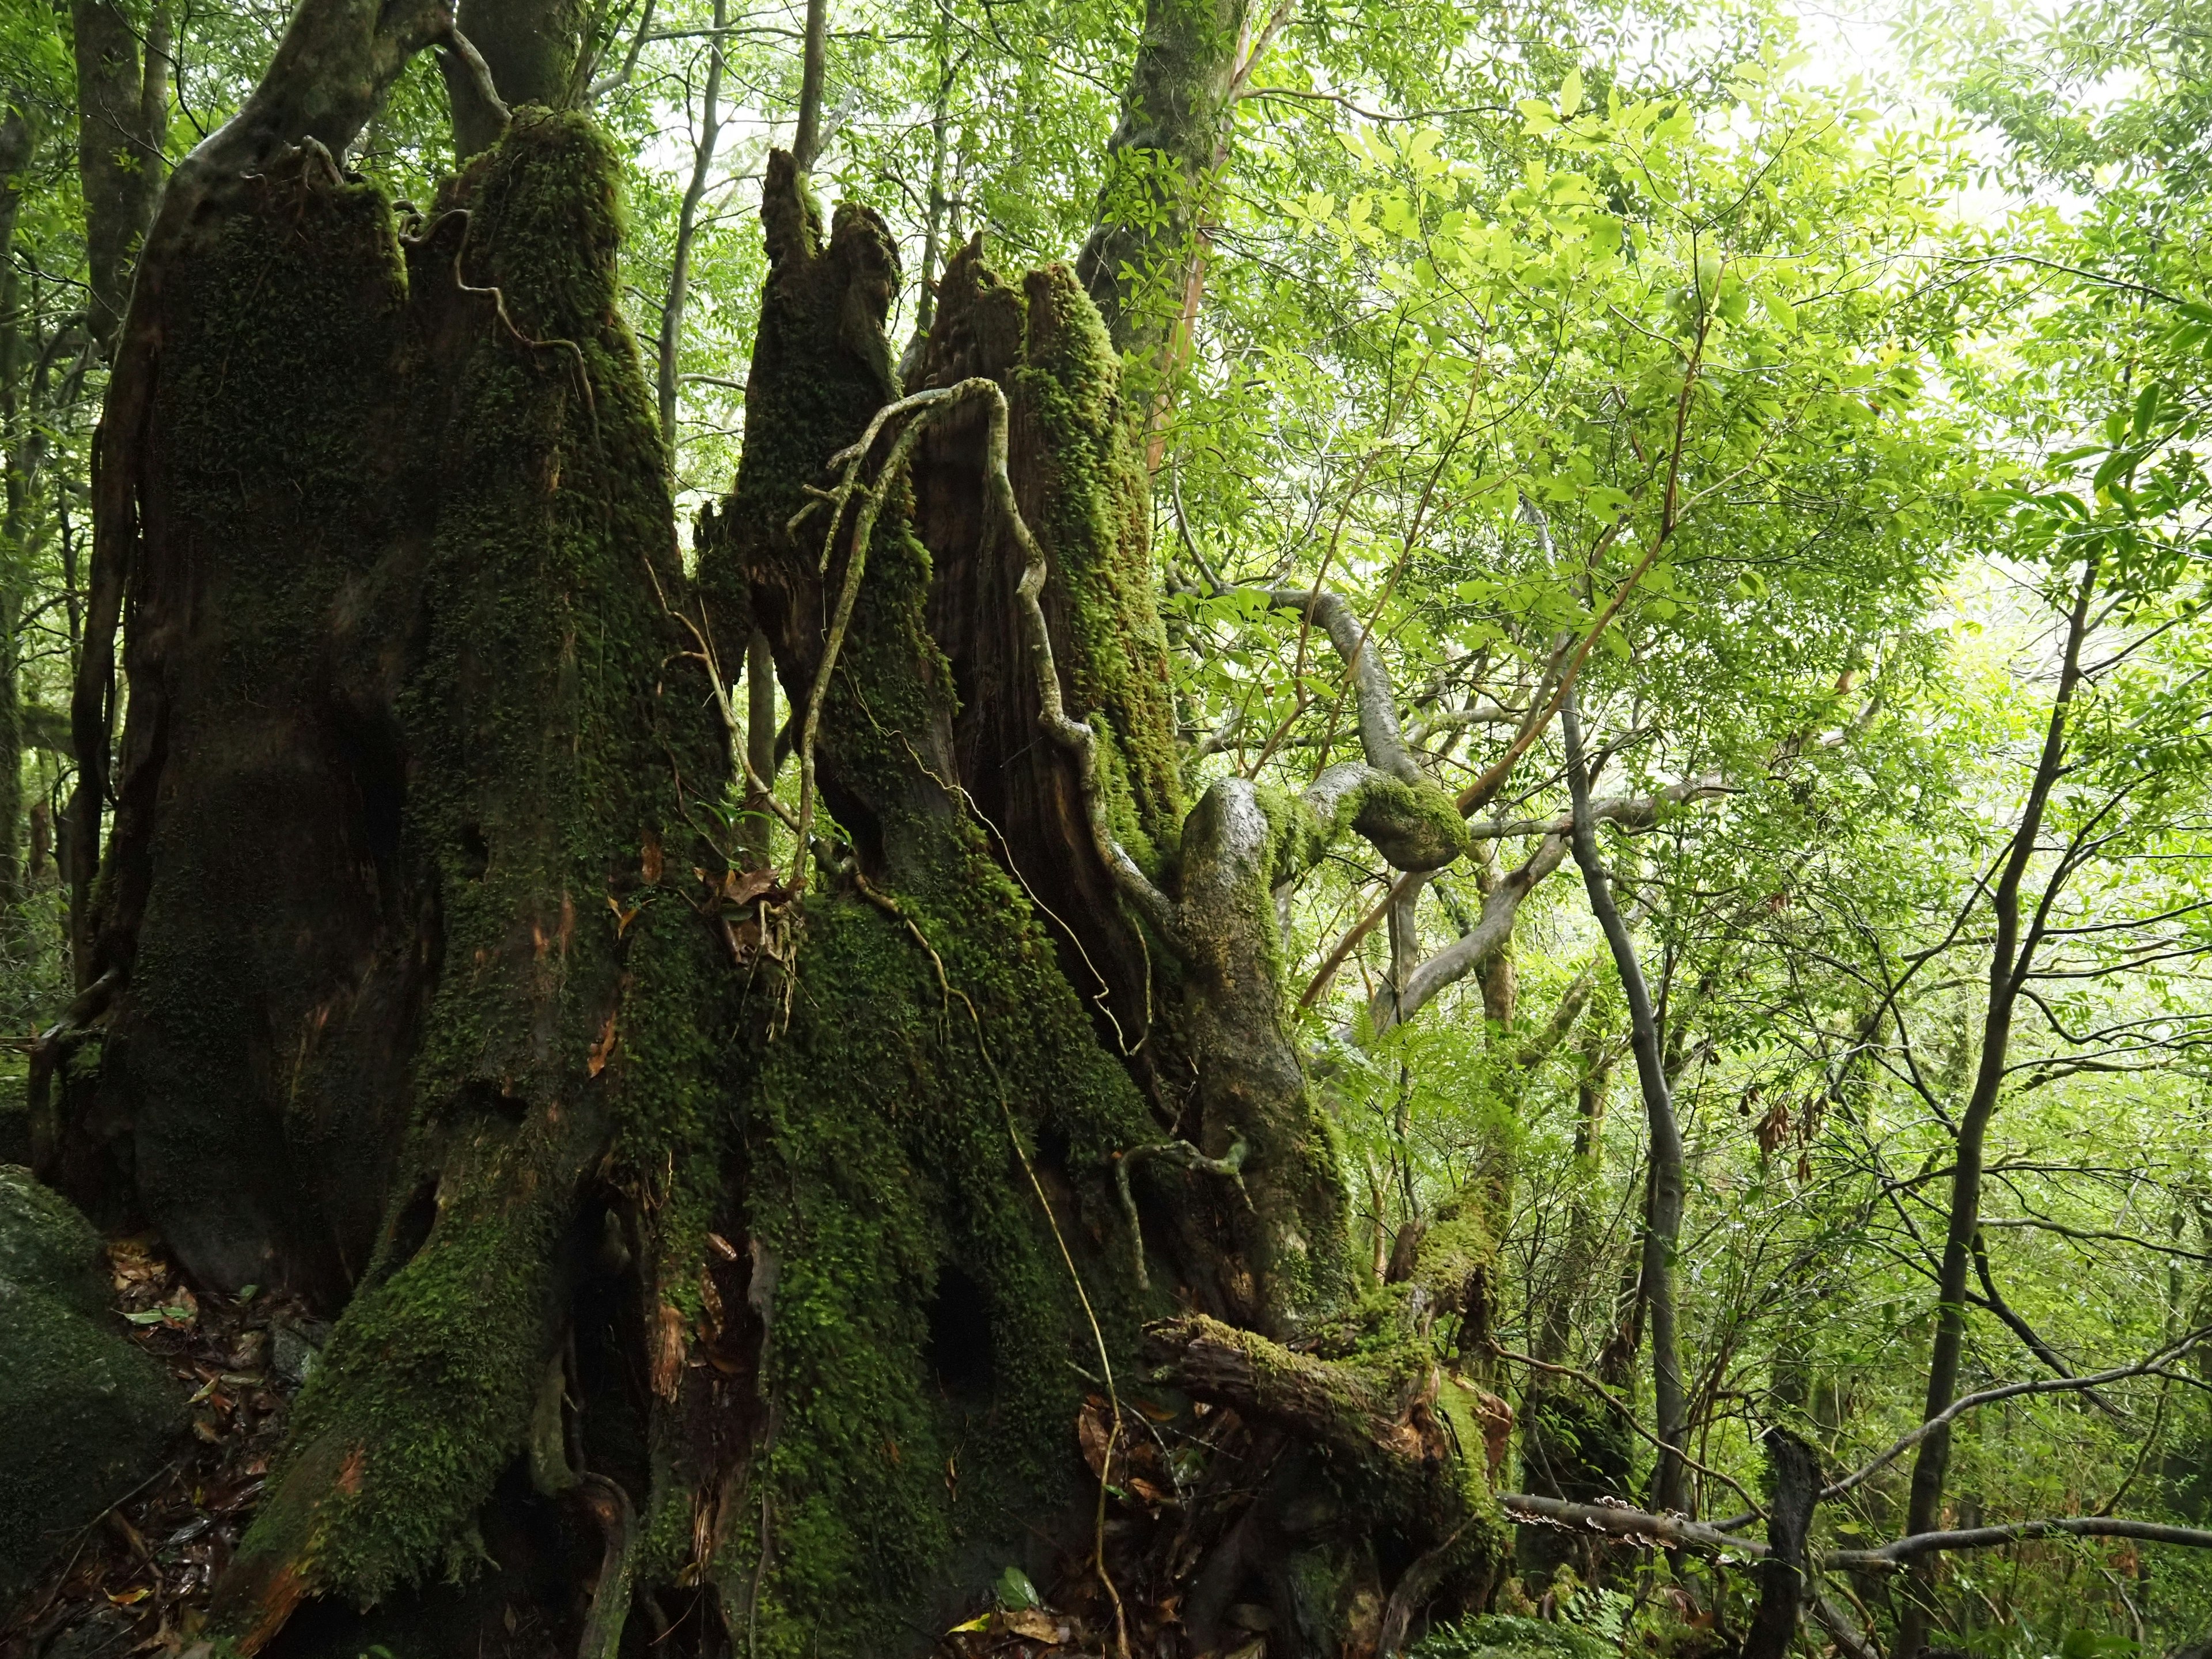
(1094, 1429)
(721, 1247)
(743, 887)
(668, 1356)
(649, 862)
(1035, 1624)
(603, 1050)
(623, 918)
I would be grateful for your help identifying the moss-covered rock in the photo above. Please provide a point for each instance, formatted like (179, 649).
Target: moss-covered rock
(88, 1415)
(46, 1246)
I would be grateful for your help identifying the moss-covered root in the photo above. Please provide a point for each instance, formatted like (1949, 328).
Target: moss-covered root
(1400, 1442)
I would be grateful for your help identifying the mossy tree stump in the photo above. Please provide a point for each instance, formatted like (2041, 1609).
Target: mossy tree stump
(723, 1255)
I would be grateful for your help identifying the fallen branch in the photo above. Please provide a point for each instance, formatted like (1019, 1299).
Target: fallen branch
(1620, 1521)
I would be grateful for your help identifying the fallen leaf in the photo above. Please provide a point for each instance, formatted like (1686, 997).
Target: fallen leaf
(649, 864)
(1093, 1428)
(1036, 1625)
(131, 1597)
(721, 1247)
(603, 1049)
(623, 918)
(744, 887)
(980, 1621)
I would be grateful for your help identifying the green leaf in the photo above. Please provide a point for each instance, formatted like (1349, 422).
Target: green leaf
(2146, 410)
(1015, 1592)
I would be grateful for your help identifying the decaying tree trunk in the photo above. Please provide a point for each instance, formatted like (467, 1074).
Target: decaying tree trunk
(765, 1249)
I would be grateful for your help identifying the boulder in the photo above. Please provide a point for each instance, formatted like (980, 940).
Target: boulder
(88, 1415)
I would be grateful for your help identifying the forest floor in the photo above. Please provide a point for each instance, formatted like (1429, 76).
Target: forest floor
(136, 1579)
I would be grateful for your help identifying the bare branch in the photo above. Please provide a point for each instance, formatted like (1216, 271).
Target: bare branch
(1967, 1402)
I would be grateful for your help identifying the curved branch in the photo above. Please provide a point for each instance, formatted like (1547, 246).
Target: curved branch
(1967, 1402)
(1903, 1550)
(1380, 738)
(1466, 955)
(1631, 813)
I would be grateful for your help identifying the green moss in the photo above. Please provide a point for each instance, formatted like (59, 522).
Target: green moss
(547, 750)
(89, 1415)
(883, 1179)
(280, 491)
(1095, 530)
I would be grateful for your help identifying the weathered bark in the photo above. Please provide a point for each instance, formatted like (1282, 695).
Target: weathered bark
(332, 68)
(533, 51)
(1663, 1220)
(122, 125)
(398, 750)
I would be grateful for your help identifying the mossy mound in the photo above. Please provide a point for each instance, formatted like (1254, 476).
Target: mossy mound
(88, 1415)
(46, 1246)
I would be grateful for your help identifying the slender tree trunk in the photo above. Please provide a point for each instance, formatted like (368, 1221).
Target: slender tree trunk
(1662, 1225)
(687, 229)
(2012, 954)
(813, 72)
(123, 111)
(1782, 1576)
(15, 144)
(1175, 117)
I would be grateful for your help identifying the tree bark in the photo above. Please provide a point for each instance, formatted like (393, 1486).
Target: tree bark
(1174, 115)
(122, 125)
(533, 50)
(813, 72)
(1662, 1224)
(1783, 1575)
